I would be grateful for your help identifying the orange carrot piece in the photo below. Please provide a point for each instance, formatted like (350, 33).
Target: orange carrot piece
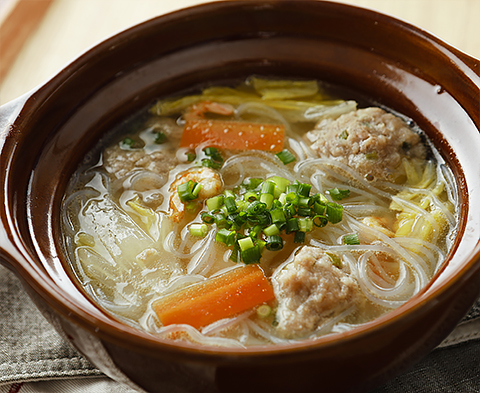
(235, 135)
(220, 297)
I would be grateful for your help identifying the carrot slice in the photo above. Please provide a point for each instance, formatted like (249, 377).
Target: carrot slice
(235, 135)
(221, 297)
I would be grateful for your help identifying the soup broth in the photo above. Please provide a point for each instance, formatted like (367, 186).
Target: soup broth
(258, 213)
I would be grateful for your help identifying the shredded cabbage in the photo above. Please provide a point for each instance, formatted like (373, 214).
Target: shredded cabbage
(297, 101)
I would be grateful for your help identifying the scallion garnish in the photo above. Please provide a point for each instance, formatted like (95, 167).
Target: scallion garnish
(199, 230)
(225, 236)
(257, 213)
(129, 143)
(271, 230)
(286, 157)
(160, 138)
(299, 237)
(251, 255)
(334, 212)
(208, 218)
(274, 243)
(351, 239)
(214, 159)
(188, 191)
(338, 194)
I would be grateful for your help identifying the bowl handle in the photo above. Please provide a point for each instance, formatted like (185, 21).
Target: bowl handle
(9, 112)
(471, 62)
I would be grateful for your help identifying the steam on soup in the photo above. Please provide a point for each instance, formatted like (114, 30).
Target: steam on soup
(259, 214)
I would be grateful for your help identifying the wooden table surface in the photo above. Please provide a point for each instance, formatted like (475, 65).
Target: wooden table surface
(69, 27)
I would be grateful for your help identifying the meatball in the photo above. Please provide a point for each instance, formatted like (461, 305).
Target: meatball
(311, 290)
(371, 141)
(119, 162)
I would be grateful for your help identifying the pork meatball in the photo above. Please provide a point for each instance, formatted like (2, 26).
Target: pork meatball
(371, 141)
(311, 290)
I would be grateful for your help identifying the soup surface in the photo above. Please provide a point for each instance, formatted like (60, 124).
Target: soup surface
(258, 213)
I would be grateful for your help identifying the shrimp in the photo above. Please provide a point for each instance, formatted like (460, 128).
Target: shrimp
(211, 185)
(198, 110)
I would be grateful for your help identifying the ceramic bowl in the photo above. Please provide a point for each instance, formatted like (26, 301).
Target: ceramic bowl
(46, 133)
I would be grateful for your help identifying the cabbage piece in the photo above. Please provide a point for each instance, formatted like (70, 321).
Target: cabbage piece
(424, 212)
(297, 101)
(117, 238)
(284, 89)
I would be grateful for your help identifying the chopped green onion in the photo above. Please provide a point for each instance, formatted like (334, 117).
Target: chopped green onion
(207, 218)
(251, 255)
(225, 236)
(210, 151)
(319, 208)
(160, 138)
(255, 232)
(276, 204)
(280, 183)
(209, 163)
(320, 221)
(343, 134)
(188, 191)
(292, 188)
(199, 230)
(278, 217)
(305, 224)
(192, 206)
(338, 194)
(235, 255)
(305, 202)
(262, 218)
(230, 204)
(271, 230)
(250, 196)
(304, 189)
(245, 243)
(334, 212)
(289, 210)
(129, 142)
(292, 225)
(335, 260)
(320, 198)
(214, 160)
(264, 311)
(252, 183)
(274, 243)
(256, 207)
(238, 218)
(267, 199)
(286, 157)
(299, 237)
(292, 198)
(267, 187)
(262, 209)
(214, 203)
(351, 239)
(191, 156)
(303, 211)
(220, 220)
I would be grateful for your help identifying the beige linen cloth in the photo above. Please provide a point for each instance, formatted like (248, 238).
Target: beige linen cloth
(33, 357)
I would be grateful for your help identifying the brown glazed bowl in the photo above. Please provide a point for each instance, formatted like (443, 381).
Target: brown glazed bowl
(45, 134)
